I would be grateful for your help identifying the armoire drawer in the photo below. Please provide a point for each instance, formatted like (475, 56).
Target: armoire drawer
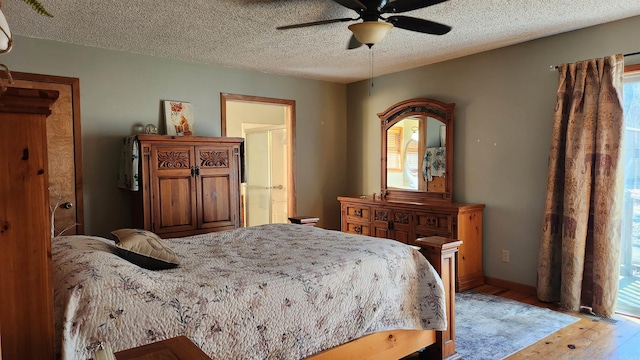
(433, 222)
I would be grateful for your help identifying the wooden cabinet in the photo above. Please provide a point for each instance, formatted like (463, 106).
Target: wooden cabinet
(407, 221)
(26, 292)
(189, 185)
(392, 223)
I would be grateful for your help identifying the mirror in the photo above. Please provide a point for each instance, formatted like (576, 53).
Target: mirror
(417, 151)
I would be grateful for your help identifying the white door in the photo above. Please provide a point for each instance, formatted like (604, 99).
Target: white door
(266, 163)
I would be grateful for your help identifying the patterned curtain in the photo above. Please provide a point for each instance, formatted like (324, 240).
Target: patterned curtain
(579, 259)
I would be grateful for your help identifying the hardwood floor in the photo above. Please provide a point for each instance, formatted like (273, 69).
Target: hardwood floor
(589, 338)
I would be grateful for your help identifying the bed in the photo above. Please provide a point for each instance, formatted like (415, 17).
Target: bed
(277, 291)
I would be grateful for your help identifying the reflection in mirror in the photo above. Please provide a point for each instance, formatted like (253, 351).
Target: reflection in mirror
(416, 157)
(417, 151)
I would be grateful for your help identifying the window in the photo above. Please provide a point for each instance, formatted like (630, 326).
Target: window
(629, 287)
(394, 149)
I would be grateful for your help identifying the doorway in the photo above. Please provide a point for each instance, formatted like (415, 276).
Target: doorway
(268, 127)
(265, 191)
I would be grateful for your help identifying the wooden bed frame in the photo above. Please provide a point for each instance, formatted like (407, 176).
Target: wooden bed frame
(396, 344)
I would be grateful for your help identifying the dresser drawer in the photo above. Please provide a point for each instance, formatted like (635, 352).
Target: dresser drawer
(357, 228)
(355, 212)
(434, 222)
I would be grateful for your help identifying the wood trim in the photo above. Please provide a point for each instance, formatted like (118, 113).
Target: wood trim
(290, 113)
(526, 289)
(27, 101)
(632, 68)
(74, 83)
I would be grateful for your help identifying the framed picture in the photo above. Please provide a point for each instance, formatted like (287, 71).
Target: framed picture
(178, 116)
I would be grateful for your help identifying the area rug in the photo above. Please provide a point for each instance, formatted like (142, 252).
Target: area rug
(491, 328)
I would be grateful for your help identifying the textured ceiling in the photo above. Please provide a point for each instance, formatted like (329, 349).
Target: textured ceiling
(242, 33)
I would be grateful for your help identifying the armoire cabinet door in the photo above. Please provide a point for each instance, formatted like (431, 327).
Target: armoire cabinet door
(173, 189)
(216, 187)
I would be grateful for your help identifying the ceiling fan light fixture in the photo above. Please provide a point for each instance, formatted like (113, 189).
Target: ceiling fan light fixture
(370, 32)
(6, 41)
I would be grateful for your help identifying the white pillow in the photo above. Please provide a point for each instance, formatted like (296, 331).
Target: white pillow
(145, 249)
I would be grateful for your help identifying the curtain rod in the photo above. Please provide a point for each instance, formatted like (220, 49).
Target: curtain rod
(555, 67)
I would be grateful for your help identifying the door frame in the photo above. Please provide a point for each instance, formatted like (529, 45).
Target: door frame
(290, 124)
(74, 83)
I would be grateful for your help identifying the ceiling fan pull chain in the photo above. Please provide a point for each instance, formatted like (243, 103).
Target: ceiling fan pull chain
(370, 69)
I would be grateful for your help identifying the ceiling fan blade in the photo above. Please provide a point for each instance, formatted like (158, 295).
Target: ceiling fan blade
(419, 25)
(356, 5)
(314, 23)
(353, 43)
(400, 6)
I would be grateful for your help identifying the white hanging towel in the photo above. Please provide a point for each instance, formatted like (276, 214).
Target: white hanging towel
(128, 176)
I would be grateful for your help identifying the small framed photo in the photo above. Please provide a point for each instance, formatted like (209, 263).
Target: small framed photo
(178, 116)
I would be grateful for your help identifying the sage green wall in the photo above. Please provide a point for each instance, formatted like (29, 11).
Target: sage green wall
(503, 120)
(242, 112)
(119, 89)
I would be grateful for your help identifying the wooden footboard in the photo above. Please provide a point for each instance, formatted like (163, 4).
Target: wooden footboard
(396, 344)
(384, 345)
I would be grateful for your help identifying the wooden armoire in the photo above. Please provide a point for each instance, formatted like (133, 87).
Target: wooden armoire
(188, 184)
(26, 291)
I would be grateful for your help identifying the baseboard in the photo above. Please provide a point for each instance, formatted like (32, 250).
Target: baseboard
(469, 281)
(526, 289)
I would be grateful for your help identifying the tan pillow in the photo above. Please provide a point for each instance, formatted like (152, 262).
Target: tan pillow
(145, 249)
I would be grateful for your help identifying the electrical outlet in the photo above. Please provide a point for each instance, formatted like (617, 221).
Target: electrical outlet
(505, 256)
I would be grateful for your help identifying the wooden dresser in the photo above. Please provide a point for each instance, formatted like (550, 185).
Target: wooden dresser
(26, 291)
(189, 185)
(407, 221)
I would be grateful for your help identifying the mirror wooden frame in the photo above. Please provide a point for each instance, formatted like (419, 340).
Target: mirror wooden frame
(418, 108)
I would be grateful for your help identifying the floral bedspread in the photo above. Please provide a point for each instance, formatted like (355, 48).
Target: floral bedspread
(267, 292)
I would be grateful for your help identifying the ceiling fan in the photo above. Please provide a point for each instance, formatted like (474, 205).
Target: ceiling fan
(371, 30)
